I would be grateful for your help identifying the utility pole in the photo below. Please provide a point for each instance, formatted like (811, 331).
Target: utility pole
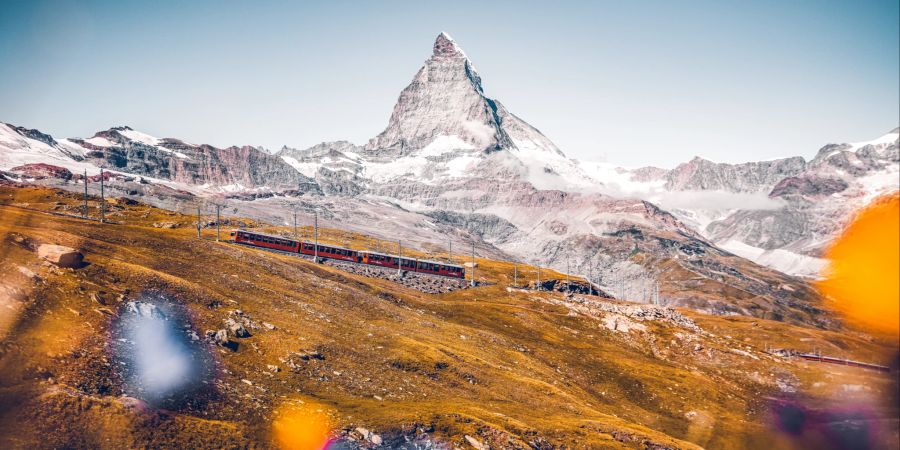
(450, 251)
(473, 264)
(218, 221)
(399, 258)
(567, 273)
(590, 276)
(295, 224)
(515, 273)
(198, 220)
(102, 200)
(539, 286)
(85, 194)
(316, 236)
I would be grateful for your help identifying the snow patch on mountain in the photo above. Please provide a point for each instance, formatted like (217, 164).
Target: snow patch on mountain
(782, 260)
(17, 150)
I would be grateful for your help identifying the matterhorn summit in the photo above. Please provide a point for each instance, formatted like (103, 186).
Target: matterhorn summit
(444, 108)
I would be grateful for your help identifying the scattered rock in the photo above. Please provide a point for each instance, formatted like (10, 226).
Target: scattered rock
(236, 328)
(219, 337)
(476, 444)
(743, 353)
(167, 225)
(375, 439)
(25, 271)
(362, 432)
(621, 324)
(307, 355)
(268, 326)
(61, 256)
(273, 368)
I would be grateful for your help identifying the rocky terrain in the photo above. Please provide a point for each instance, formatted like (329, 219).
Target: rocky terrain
(155, 338)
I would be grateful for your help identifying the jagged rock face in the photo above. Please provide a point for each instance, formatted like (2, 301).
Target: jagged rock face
(488, 227)
(819, 201)
(809, 186)
(701, 174)
(170, 159)
(446, 98)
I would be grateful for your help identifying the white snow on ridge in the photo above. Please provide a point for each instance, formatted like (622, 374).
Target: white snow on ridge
(17, 150)
(308, 169)
(444, 144)
(140, 137)
(99, 141)
(887, 139)
(781, 260)
(881, 182)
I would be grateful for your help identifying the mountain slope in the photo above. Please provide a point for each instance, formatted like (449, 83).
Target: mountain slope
(510, 368)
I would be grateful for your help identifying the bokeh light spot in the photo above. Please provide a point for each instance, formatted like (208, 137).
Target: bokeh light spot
(863, 275)
(302, 425)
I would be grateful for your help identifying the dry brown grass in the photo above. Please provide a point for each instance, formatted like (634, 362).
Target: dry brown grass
(499, 364)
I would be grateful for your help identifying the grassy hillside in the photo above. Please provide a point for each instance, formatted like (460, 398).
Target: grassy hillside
(508, 367)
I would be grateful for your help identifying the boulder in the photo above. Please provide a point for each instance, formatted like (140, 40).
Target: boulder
(236, 328)
(60, 255)
(221, 337)
(476, 444)
(168, 225)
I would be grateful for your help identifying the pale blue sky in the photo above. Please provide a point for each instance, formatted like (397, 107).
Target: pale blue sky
(633, 83)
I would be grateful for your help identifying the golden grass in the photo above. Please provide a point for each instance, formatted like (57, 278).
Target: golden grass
(499, 364)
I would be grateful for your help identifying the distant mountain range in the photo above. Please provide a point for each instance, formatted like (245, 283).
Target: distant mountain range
(454, 164)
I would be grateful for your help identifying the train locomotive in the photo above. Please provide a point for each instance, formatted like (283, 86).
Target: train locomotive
(345, 254)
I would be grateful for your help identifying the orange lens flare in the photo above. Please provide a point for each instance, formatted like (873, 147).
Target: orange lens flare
(863, 275)
(301, 425)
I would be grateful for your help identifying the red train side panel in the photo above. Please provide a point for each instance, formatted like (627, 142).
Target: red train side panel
(266, 241)
(346, 254)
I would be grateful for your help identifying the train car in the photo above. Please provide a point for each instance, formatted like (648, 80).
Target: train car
(412, 265)
(266, 241)
(330, 251)
(346, 254)
(378, 259)
(440, 268)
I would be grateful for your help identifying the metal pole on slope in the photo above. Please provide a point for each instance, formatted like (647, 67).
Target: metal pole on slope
(473, 263)
(399, 258)
(590, 277)
(567, 273)
(218, 221)
(515, 273)
(295, 224)
(450, 251)
(539, 286)
(85, 194)
(102, 200)
(198, 220)
(316, 236)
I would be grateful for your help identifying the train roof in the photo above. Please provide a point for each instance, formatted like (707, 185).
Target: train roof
(414, 259)
(345, 248)
(266, 235)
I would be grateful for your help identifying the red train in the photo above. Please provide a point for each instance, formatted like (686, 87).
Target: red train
(345, 254)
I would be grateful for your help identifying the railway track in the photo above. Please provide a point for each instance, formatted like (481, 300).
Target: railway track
(842, 362)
